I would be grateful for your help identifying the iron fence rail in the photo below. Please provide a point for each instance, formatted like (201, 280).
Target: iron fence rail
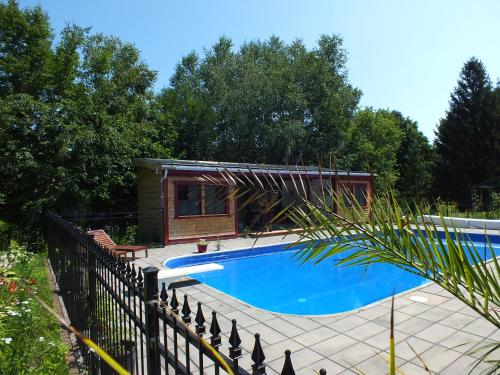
(145, 329)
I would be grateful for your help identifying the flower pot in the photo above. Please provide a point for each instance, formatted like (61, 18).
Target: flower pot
(202, 248)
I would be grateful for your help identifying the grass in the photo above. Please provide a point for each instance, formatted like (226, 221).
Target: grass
(30, 340)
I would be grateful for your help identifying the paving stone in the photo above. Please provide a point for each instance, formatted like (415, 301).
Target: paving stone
(438, 357)
(374, 312)
(409, 368)
(495, 335)
(461, 341)
(347, 324)
(315, 336)
(432, 299)
(220, 307)
(403, 349)
(413, 325)
(305, 323)
(435, 314)
(349, 372)
(331, 367)
(242, 319)
(268, 334)
(378, 364)
(333, 345)
(277, 350)
(354, 354)
(414, 309)
(248, 339)
(480, 327)
(300, 359)
(259, 315)
(381, 340)
(286, 328)
(435, 333)
(463, 365)
(365, 331)
(399, 302)
(457, 320)
(385, 320)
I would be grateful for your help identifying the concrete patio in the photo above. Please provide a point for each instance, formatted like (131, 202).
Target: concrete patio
(440, 330)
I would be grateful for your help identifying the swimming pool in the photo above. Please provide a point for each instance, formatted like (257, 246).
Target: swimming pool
(270, 278)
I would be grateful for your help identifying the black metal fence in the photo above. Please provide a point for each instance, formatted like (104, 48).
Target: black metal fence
(127, 225)
(147, 330)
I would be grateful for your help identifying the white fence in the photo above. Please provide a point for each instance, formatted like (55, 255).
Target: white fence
(461, 222)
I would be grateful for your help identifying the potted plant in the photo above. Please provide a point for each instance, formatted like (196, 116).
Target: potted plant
(202, 246)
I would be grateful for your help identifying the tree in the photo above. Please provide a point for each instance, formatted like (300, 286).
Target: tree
(268, 102)
(467, 139)
(109, 120)
(372, 144)
(72, 118)
(31, 147)
(25, 50)
(415, 160)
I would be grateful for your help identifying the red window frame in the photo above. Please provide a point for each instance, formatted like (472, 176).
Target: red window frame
(203, 203)
(351, 187)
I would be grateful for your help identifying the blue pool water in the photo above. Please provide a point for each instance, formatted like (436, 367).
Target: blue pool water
(270, 278)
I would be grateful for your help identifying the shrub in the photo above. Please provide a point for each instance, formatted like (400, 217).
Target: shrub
(29, 337)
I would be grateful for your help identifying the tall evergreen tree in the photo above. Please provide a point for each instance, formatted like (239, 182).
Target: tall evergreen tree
(467, 139)
(415, 159)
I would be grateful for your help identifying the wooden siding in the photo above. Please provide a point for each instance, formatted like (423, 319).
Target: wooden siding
(193, 226)
(349, 182)
(149, 205)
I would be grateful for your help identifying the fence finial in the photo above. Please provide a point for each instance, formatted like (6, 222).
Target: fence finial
(200, 321)
(163, 293)
(287, 366)
(258, 356)
(174, 304)
(215, 330)
(186, 310)
(139, 278)
(235, 341)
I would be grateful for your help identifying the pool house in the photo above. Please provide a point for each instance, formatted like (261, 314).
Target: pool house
(176, 204)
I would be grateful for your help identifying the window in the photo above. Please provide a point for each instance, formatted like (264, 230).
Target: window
(189, 200)
(198, 199)
(361, 194)
(215, 200)
(347, 195)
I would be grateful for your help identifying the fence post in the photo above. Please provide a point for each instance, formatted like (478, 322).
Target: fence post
(151, 321)
(92, 301)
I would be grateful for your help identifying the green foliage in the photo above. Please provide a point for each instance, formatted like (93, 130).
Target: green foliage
(267, 102)
(373, 140)
(29, 337)
(127, 236)
(25, 47)
(415, 158)
(74, 113)
(72, 117)
(468, 138)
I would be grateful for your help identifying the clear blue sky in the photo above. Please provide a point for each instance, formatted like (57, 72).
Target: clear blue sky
(403, 55)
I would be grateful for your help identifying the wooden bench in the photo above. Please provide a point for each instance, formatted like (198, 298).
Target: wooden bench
(102, 238)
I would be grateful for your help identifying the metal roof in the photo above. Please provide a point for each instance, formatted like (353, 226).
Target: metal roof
(216, 166)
